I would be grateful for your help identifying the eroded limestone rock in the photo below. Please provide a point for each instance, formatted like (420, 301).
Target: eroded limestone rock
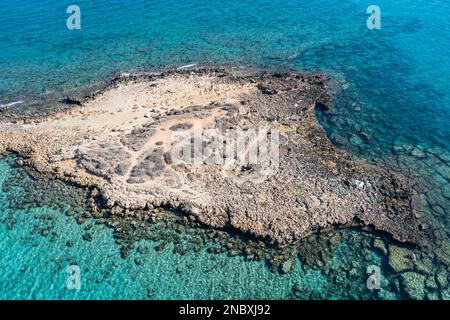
(400, 259)
(414, 285)
(108, 143)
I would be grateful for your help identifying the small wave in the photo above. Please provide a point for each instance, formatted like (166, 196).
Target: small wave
(10, 104)
(187, 66)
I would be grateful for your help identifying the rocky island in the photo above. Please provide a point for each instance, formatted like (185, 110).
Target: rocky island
(121, 142)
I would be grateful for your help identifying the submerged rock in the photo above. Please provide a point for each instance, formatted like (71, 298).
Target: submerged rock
(446, 191)
(443, 252)
(87, 237)
(151, 293)
(414, 285)
(442, 278)
(445, 294)
(71, 100)
(379, 244)
(287, 266)
(400, 259)
(418, 153)
(431, 283)
(424, 266)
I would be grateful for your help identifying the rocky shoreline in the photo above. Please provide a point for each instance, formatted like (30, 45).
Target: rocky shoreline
(114, 142)
(407, 271)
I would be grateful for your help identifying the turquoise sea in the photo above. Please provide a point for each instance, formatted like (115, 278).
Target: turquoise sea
(393, 109)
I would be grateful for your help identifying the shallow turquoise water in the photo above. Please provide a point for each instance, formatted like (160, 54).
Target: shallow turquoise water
(34, 265)
(398, 74)
(394, 109)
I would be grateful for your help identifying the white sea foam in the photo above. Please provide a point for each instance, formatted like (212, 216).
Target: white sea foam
(10, 104)
(187, 66)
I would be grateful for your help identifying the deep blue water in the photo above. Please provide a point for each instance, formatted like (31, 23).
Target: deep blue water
(394, 109)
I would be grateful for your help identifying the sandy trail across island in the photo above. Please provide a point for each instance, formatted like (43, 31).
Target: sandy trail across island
(132, 105)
